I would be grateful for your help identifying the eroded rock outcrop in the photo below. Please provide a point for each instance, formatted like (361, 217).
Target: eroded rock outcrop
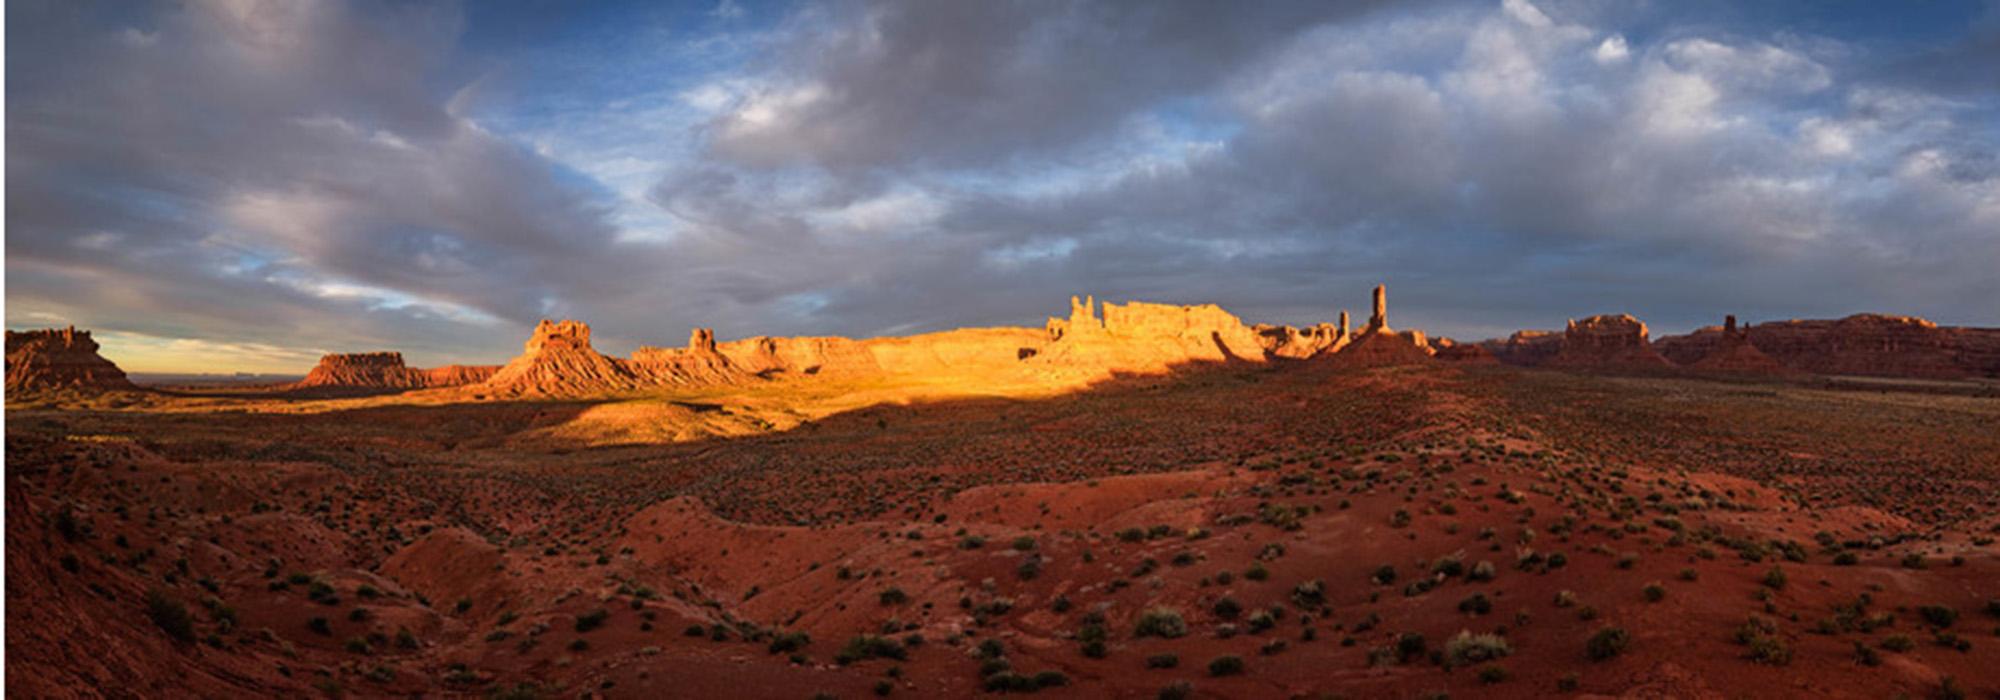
(698, 363)
(1735, 353)
(1299, 343)
(1385, 349)
(1528, 348)
(59, 360)
(1144, 337)
(1607, 342)
(458, 375)
(1378, 345)
(774, 358)
(976, 350)
(1862, 344)
(558, 361)
(1866, 344)
(1379, 321)
(1452, 351)
(385, 370)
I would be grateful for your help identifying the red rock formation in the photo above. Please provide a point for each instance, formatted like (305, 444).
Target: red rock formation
(1455, 352)
(776, 357)
(1529, 348)
(1299, 343)
(59, 360)
(1978, 349)
(976, 350)
(1379, 321)
(557, 361)
(1735, 353)
(1144, 337)
(385, 370)
(1380, 346)
(1690, 348)
(1862, 344)
(375, 370)
(698, 363)
(1607, 342)
(458, 375)
(1385, 349)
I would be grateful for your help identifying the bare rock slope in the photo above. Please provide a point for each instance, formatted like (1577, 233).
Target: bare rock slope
(59, 360)
(385, 370)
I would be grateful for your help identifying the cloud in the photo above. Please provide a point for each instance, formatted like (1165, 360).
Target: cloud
(357, 176)
(882, 84)
(1612, 50)
(244, 158)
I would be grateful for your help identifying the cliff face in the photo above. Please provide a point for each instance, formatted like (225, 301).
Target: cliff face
(1528, 348)
(1978, 350)
(698, 363)
(984, 350)
(385, 370)
(1143, 337)
(1862, 344)
(1735, 353)
(1300, 343)
(458, 375)
(59, 360)
(770, 357)
(1455, 352)
(558, 361)
(1607, 342)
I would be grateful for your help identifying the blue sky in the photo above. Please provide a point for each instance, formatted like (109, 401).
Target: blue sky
(230, 185)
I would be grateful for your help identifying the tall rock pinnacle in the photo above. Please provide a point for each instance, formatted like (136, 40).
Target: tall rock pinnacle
(1380, 321)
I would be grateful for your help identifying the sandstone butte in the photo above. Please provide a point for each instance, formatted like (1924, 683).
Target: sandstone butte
(385, 370)
(558, 360)
(1605, 341)
(59, 360)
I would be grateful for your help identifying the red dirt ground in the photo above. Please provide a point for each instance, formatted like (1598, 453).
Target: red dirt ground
(405, 546)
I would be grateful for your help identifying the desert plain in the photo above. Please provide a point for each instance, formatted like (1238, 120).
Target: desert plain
(1143, 501)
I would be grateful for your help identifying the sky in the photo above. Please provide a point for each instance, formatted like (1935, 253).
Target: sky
(229, 185)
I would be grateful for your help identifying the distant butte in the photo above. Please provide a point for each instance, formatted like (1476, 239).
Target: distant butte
(1607, 342)
(385, 370)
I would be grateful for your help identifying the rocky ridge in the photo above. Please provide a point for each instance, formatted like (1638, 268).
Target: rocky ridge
(1735, 353)
(558, 360)
(1861, 344)
(385, 370)
(59, 360)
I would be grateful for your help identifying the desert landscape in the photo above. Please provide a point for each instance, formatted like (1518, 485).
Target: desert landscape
(1135, 500)
(1147, 349)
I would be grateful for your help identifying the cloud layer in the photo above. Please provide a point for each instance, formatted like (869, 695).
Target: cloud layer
(341, 177)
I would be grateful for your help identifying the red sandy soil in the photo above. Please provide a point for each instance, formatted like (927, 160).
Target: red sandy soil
(738, 544)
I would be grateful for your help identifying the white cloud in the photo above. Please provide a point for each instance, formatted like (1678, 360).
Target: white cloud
(1826, 137)
(1526, 13)
(1612, 50)
(1753, 67)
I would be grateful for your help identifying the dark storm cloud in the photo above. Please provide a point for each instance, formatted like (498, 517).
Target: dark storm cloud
(1512, 168)
(972, 83)
(281, 172)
